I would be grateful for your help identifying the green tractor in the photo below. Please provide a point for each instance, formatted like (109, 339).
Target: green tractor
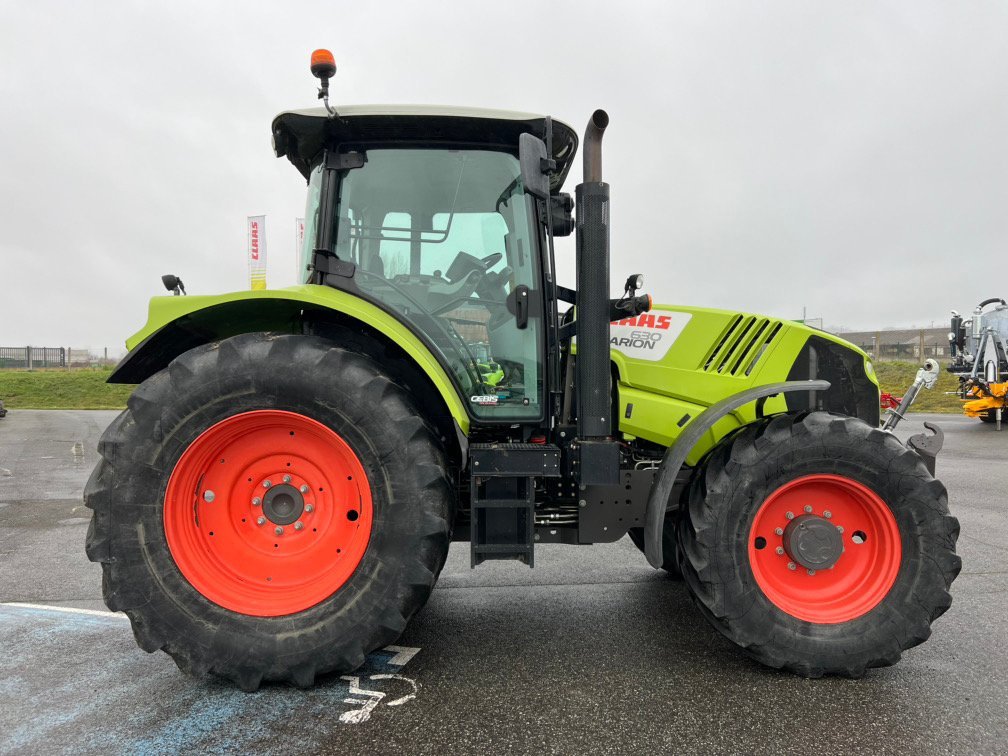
(279, 497)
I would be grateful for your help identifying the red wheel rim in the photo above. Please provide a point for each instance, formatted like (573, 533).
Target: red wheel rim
(253, 551)
(866, 569)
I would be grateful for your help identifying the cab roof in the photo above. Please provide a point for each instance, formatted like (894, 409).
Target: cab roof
(302, 135)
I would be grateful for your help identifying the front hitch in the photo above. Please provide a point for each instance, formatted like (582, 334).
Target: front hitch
(927, 446)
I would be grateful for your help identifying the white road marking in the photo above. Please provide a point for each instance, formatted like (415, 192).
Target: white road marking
(407, 697)
(66, 609)
(402, 654)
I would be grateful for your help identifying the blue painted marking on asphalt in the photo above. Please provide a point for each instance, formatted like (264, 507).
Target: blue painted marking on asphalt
(90, 689)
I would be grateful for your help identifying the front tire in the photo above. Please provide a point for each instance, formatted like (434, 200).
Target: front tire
(269, 508)
(818, 544)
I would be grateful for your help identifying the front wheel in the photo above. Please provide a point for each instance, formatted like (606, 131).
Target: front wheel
(269, 508)
(818, 544)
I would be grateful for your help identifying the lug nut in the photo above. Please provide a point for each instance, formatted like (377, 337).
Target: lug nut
(278, 530)
(791, 566)
(267, 483)
(811, 572)
(779, 531)
(299, 525)
(840, 528)
(808, 508)
(780, 551)
(309, 508)
(789, 515)
(827, 514)
(208, 496)
(287, 478)
(260, 520)
(256, 501)
(303, 489)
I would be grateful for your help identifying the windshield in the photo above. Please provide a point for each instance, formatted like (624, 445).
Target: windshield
(444, 238)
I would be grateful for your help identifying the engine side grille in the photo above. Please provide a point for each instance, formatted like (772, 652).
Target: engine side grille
(741, 345)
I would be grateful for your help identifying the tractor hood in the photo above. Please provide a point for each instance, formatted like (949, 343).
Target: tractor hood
(674, 362)
(301, 135)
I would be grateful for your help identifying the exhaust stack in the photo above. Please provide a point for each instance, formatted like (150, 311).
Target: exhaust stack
(599, 454)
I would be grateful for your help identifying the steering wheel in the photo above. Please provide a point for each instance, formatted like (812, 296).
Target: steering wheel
(490, 260)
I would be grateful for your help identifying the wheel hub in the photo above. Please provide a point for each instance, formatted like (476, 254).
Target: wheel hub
(813, 542)
(844, 537)
(283, 504)
(268, 513)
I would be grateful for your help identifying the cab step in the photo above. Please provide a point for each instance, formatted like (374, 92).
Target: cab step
(502, 498)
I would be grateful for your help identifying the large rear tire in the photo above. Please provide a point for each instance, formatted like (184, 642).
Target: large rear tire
(269, 508)
(818, 544)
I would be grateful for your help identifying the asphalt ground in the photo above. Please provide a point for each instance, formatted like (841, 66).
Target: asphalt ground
(590, 651)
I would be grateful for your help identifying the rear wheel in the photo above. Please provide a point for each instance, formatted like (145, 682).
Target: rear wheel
(989, 416)
(269, 507)
(819, 544)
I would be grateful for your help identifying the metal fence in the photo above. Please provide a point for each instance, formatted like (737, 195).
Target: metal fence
(29, 357)
(41, 358)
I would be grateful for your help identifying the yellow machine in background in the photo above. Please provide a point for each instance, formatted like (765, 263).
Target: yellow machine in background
(979, 349)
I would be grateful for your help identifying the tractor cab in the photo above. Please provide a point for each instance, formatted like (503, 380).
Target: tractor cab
(423, 210)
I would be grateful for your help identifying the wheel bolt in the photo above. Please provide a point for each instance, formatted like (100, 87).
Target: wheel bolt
(278, 530)
(256, 501)
(261, 521)
(840, 528)
(811, 572)
(779, 531)
(304, 489)
(287, 478)
(791, 566)
(267, 483)
(780, 551)
(299, 525)
(808, 508)
(827, 514)
(208, 496)
(309, 508)
(789, 515)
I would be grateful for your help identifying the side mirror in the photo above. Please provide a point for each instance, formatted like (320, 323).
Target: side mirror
(535, 166)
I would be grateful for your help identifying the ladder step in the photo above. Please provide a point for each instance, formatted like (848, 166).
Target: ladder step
(515, 460)
(498, 503)
(504, 548)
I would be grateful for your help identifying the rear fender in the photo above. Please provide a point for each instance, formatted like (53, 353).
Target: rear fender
(178, 324)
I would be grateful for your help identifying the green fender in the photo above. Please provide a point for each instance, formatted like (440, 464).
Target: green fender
(177, 324)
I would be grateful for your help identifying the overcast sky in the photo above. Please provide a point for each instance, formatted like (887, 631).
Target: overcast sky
(849, 157)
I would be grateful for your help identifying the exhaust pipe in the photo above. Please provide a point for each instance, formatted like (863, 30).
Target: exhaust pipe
(592, 156)
(599, 462)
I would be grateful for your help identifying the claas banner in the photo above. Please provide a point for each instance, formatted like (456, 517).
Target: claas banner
(257, 251)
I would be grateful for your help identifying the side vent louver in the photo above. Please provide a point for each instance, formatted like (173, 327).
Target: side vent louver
(741, 345)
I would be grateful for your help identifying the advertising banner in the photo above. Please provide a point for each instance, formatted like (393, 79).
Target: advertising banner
(257, 251)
